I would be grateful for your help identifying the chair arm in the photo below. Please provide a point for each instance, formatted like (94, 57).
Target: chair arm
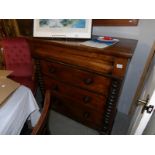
(44, 115)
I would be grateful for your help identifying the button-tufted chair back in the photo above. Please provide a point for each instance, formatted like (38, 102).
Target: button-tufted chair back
(17, 57)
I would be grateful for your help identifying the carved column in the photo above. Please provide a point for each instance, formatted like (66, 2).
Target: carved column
(39, 76)
(111, 104)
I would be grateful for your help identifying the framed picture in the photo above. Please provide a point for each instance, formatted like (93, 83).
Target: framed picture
(62, 28)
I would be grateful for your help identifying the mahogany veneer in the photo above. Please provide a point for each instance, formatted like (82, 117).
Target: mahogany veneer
(85, 82)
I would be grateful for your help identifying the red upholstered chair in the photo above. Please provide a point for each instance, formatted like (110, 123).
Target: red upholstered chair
(17, 57)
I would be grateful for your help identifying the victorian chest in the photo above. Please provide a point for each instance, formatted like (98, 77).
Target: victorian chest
(85, 82)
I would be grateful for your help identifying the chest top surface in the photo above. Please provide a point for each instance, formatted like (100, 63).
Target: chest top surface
(124, 48)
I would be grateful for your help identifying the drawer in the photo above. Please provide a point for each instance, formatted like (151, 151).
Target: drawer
(76, 77)
(86, 116)
(77, 95)
(90, 60)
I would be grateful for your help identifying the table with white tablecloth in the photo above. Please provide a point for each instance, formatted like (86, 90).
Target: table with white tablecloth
(20, 106)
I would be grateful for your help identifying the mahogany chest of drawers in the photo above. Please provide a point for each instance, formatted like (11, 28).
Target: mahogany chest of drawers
(85, 82)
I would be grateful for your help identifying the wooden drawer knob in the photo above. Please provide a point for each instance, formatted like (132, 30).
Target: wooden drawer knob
(86, 115)
(88, 81)
(52, 70)
(87, 99)
(55, 87)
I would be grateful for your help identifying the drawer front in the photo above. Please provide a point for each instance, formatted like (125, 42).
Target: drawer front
(76, 77)
(82, 114)
(77, 95)
(90, 60)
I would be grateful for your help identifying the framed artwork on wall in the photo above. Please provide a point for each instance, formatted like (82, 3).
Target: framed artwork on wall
(115, 22)
(62, 28)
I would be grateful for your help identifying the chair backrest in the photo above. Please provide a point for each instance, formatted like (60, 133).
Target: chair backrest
(40, 127)
(17, 57)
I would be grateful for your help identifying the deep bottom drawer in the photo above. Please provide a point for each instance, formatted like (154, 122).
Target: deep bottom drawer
(81, 114)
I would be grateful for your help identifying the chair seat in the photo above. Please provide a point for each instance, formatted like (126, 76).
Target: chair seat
(26, 81)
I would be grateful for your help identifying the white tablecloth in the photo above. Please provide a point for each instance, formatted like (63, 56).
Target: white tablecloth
(20, 106)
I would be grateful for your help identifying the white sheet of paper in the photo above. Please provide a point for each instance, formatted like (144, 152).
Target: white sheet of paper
(94, 44)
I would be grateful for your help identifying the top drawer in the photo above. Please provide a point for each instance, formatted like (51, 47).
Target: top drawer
(76, 77)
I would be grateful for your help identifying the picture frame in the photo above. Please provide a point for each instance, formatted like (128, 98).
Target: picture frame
(62, 28)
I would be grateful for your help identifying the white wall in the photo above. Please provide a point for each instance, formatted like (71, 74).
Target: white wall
(145, 34)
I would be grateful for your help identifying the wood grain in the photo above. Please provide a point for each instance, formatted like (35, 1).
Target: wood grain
(85, 81)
